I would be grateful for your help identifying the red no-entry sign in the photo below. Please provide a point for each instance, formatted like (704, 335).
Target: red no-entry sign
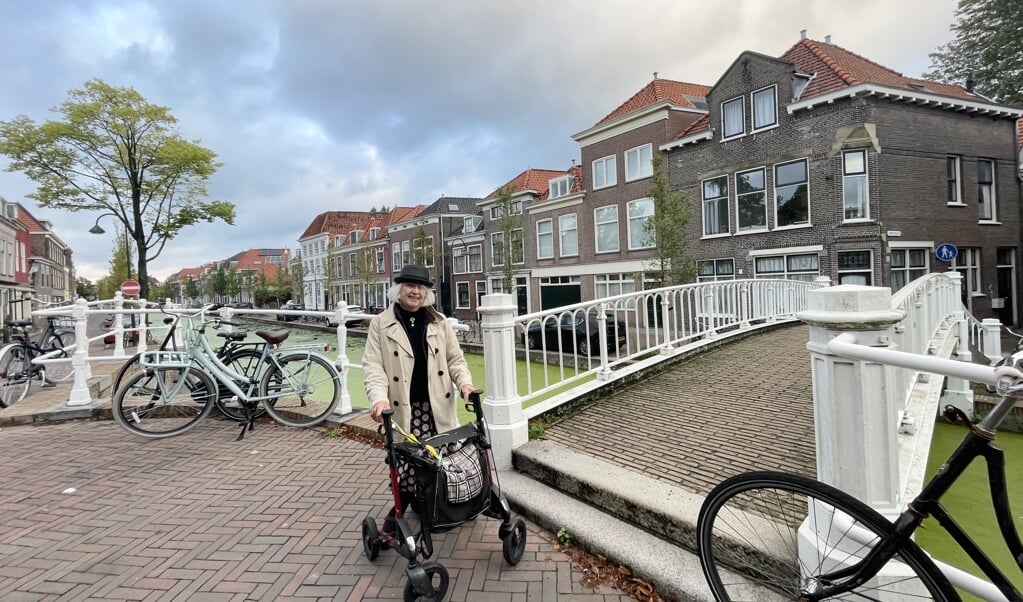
(130, 288)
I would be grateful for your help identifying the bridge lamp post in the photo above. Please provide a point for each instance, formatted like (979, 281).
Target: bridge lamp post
(97, 229)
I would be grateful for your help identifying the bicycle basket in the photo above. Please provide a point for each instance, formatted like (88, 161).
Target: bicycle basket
(165, 359)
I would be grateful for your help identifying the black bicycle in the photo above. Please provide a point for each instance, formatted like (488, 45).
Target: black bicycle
(242, 357)
(17, 371)
(750, 525)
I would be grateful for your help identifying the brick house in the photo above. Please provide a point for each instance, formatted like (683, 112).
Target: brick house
(14, 247)
(821, 162)
(50, 270)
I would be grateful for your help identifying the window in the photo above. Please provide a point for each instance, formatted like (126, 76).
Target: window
(516, 208)
(607, 285)
(481, 289)
(560, 187)
(605, 221)
(374, 233)
(475, 258)
(380, 260)
(791, 267)
(351, 265)
(569, 235)
(854, 185)
(986, 190)
(469, 224)
(641, 212)
(713, 270)
(517, 247)
(907, 266)
(545, 239)
(639, 163)
(459, 260)
(967, 263)
(765, 113)
(406, 252)
(395, 257)
(953, 166)
(496, 212)
(355, 236)
(751, 200)
(605, 172)
(462, 295)
(854, 267)
(733, 121)
(497, 249)
(715, 206)
(424, 251)
(791, 194)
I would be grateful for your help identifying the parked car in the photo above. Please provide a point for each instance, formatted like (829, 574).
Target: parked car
(352, 309)
(240, 305)
(574, 333)
(290, 305)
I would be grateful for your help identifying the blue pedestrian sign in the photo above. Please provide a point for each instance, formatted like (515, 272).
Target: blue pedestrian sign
(946, 251)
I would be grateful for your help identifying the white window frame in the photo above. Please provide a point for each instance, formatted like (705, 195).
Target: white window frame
(497, 249)
(559, 187)
(458, 295)
(475, 253)
(406, 252)
(605, 172)
(907, 269)
(545, 234)
(716, 202)
(787, 271)
(954, 180)
(395, 256)
(720, 269)
(991, 204)
(637, 166)
(468, 224)
(805, 182)
(855, 176)
(459, 260)
(639, 221)
(517, 246)
(515, 208)
(598, 223)
(374, 233)
(381, 253)
(481, 290)
(496, 212)
(968, 263)
(758, 94)
(739, 196)
(869, 270)
(568, 233)
(725, 135)
(609, 285)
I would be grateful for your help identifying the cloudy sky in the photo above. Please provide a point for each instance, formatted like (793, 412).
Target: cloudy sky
(317, 105)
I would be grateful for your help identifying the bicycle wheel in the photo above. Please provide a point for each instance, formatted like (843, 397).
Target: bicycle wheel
(161, 402)
(242, 361)
(128, 369)
(306, 388)
(15, 375)
(749, 524)
(59, 371)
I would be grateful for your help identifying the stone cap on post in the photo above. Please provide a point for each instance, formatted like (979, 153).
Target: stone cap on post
(851, 307)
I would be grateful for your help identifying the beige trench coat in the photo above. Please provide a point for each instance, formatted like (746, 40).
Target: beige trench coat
(387, 368)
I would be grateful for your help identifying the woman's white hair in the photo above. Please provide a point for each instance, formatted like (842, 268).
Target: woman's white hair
(395, 290)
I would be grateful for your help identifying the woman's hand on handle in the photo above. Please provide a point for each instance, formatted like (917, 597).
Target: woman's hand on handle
(377, 411)
(466, 390)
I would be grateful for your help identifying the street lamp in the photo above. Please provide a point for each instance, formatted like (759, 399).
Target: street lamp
(97, 229)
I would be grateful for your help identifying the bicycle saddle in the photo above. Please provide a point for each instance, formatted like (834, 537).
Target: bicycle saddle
(25, 322)
(233, 336)
(274, 337)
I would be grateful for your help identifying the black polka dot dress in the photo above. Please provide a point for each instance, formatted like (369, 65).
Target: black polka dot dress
(421, 424)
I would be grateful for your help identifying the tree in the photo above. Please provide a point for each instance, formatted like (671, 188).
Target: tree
(988, 45)
(85, 288)
(509, 238)
(422, 248)
(114, 151)
(191, 289)
(666, 229)
(365, 275)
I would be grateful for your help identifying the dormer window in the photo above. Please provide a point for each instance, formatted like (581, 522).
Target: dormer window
(339, 240)
(765, 108)
(471, 223)
(560, 187)
(374, 233)
(355, 236)
(733, 120)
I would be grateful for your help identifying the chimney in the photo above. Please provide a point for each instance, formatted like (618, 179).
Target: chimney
(827, 39)
(802, 34)
(969, 82)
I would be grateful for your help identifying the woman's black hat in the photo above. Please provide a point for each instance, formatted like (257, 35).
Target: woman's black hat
(413, 274)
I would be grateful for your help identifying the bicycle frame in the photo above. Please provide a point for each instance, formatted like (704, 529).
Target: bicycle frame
(978, 442)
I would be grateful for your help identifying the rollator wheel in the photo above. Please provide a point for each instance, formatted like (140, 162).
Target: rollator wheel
(438, 576)
(370, 538)
(515, 542)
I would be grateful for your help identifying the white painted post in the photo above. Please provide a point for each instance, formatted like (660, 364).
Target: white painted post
(342, 362)
(119, 320)
(502, 405)
(992, 339)
(79, 359)
(855, 410)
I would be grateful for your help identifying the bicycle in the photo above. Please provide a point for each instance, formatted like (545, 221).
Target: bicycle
(751, 524)
(241, 357)
(17, 366)
(177, 389)
(471, 333)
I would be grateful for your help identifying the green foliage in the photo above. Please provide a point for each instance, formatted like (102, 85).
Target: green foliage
(191, 289)
(365, 276)
(334, 433)
(85, 288)
(422, 248)
(667, 230)
(111, 150)
(509, 225)
(563, 537)
(989, 44)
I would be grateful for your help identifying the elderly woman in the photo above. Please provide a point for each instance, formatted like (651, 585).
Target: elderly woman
(411, 359)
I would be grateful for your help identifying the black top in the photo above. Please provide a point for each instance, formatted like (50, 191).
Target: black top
(414, 324)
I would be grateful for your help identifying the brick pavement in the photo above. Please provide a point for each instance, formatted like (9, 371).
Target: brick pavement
(203, 517)
(745, 405)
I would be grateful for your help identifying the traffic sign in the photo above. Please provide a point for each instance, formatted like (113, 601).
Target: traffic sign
(130, 288)
(946, 251)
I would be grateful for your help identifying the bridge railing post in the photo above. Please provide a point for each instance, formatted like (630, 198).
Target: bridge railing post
(502, 405)
(79, 359)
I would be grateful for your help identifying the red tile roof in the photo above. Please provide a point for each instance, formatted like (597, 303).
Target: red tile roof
(660, 90)
(836, 68)
(29, 220)
(531, 179)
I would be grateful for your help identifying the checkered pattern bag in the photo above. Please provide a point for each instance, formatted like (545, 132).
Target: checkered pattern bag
(463, 473)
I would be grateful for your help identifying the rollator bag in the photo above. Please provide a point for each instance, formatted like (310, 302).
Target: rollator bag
(457, 489)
